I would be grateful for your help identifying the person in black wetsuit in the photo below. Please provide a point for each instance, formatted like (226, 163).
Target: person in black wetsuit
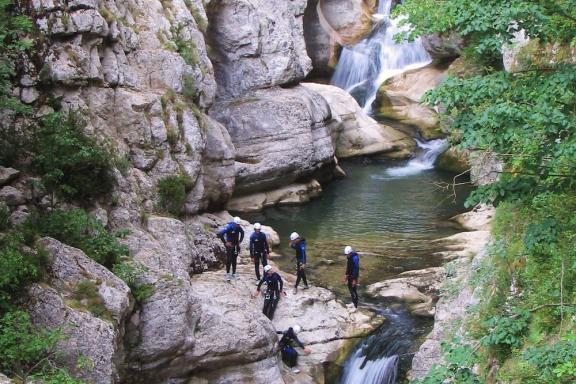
(299, 244)
(274, 288)
(259, 249)
(231, 235)
(287, 344)
(352, 272)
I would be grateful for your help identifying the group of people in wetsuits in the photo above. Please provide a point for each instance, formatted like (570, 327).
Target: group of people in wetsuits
(233, 234)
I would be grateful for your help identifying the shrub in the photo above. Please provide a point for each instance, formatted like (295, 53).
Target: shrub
(19, 266)
(86, 294)
(71, 164)
(78, 229)
(173, 190)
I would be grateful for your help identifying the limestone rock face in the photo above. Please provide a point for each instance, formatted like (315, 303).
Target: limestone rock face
(453, 161)
(12, 196)
(358, 134)
(346, 21)
(280, 135)
(257, 44)
(485, 167)
(399, 99)
(61, 305)
(469, 249)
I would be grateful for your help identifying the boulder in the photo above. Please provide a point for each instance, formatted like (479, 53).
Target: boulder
(399, 99)
(419, 289)
(12, 196)
(298, 193)
(91, 317)
(445, 46)
(5, 380)
(485, 167)
(7, 175)
(257, 44)
(280, 135)
(454, 161)
(358, 134)
(479, 219)
(346, 21)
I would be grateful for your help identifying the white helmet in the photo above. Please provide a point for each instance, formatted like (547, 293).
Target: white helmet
(237, 220)
(257, 226)
(267, 268)
(348, 250)
(294, 236)
(296, 329)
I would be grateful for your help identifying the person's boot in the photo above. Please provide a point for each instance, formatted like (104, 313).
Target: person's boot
(295, 370)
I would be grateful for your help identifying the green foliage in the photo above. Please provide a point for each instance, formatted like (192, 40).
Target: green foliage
(20, 266)
(184, 46)
(132, 272)
(459, 360)
(4, 218)
(78, 229)
(72, 164)
(22, 346)
(506, 331)
(143, 292)
(486, 25)
(173, 191)
(86, 295)
(555, 362)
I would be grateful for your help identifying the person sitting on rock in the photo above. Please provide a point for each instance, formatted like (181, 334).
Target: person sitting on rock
(352, 273)
(259, 249)
(299, 244)
(231, 235)
(274, 288)
(287, 344)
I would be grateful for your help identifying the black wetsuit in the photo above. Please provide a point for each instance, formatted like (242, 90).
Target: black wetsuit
(272, 295)
(300, 248)
(234, 234)
(289, 354)
(352, 273)
(258, 251)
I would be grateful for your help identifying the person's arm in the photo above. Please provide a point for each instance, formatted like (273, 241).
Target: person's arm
(266, 248)
(252, 238)
(241, 234)
(281, 283)
(303, 254)
(221, 234)
(356, 268)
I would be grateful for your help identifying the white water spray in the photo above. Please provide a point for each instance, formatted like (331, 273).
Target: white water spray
(423, 161)
(381, 371)
(363, 68)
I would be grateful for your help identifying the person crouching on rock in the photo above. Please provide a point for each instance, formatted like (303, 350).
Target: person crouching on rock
(287, 342)
(299, 244)
(259, 249)
(272, 295)
(352, 272)
(231, 235)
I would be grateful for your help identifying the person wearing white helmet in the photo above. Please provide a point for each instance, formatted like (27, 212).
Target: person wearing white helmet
(275, 286)
(352, 273)
(287, 344)
(232, 235)
(259, 249)
(299, 244)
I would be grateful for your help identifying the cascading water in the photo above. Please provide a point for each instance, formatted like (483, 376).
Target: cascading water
(429, 152)
(364, 67)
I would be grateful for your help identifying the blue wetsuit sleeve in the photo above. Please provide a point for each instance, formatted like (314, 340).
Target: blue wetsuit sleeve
(303, 254)
(356, 268)
(222, 232)
(266, 243)
(260, 283)
(281, 283)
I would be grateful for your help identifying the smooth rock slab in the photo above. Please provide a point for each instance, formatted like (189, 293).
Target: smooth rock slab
(7, 175)
(12, 196)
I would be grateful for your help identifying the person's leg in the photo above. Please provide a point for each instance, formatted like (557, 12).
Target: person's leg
(272, 307)
(257, 265)
(235, 250)
(353, 293)
(298, 275)
(229, 255)
(266, 308)
(303, 271)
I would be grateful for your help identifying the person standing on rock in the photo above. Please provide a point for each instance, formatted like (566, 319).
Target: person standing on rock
(259, 249)
(231, 235)
(299, 244)
(272, 295)
(352, 273)
(287, 344)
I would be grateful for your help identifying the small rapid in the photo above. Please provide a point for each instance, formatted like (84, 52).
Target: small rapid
(363, 68)
(424, 160)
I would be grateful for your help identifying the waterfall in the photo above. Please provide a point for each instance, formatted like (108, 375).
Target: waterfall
(364, 67)
(360, 371)
(424, 160)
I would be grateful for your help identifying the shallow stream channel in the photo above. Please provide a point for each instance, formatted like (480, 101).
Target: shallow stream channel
(389, 212)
